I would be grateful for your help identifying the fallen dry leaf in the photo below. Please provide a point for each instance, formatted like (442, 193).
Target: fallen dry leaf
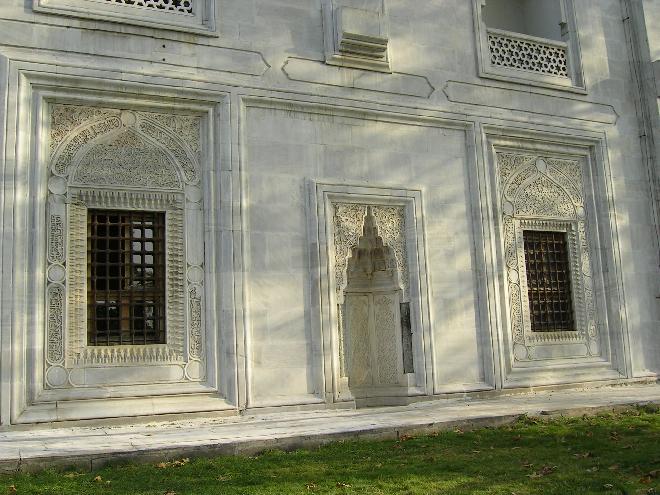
(648, 477)
(12, 488)
(343, 485)
(544, 471)
(583, 455)
(181, 462)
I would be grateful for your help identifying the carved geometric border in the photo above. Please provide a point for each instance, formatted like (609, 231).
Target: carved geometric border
(80, 355)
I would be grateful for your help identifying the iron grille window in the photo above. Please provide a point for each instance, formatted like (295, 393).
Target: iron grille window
(548, 281)
(126, 277)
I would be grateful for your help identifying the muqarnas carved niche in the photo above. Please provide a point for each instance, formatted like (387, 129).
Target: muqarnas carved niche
(125, 160)
(372, 283)
(546, 194)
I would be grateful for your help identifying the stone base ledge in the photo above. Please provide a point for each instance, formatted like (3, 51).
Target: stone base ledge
(90, 447)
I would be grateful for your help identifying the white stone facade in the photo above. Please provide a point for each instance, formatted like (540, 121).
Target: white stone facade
(345, 186)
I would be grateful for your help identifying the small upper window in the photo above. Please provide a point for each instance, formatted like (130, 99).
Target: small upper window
(178, 6)
(196, 16)
(542, 19)
(126, 277)
(548, 281)
(531, 41)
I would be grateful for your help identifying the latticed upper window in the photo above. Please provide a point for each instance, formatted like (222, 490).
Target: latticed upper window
(180, 6)
(126, 277)
(548, 281)
(195, 16)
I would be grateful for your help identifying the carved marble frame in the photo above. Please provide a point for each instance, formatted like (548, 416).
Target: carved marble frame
(29, 398)
(70, 195)
(202, 21)
(574, 83)
(326, 196)
(598, 333)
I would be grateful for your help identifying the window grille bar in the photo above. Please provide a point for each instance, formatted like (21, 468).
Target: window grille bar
(548, 281)
(126, 278)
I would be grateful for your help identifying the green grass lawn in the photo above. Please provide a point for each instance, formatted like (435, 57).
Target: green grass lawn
(605, 454)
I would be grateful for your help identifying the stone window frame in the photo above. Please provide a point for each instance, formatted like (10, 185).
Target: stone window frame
(612, 361)
(574, 83)
(70, 361)
(202, 21)
(324, 197)
(529, 167)
(26, 399)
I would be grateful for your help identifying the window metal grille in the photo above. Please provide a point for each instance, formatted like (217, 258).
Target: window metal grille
(126, 277)
(548, 281)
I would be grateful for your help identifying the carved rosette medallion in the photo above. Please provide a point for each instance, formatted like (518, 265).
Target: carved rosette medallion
(545, 193)
(124, 160)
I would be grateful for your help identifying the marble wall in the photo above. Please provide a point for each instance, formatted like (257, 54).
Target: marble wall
(287, 108)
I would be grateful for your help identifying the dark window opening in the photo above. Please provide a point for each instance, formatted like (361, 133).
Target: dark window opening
(548, 281)
(125, 277)
(406, 339)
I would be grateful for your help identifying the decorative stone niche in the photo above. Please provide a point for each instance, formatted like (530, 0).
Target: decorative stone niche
(376, 342)
(356, 34)
(122, 160)
(377, 304)
(546, 193)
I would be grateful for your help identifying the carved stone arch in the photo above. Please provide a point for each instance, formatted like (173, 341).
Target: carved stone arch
(542, 196)
(180, 151)
(104, 128)
(126, 158)
(65, 153)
